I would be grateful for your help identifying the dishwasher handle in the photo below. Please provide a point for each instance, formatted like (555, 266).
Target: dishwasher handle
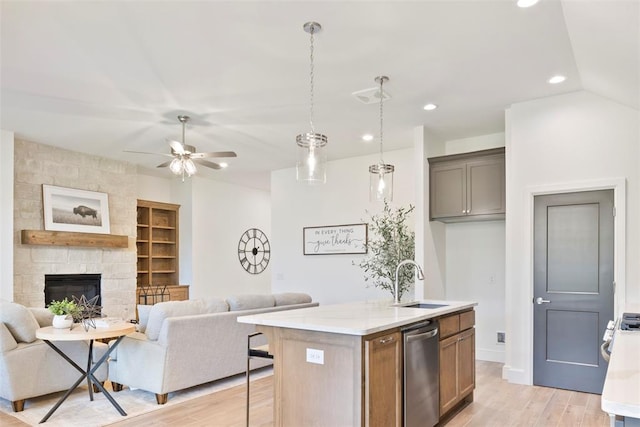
(417, 337)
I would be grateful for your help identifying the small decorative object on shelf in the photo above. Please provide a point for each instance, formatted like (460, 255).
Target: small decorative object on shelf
(152, 294)
(87, 311)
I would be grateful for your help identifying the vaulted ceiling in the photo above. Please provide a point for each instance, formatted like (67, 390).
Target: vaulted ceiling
(103, 77)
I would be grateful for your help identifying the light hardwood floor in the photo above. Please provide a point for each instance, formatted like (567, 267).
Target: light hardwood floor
(497, 404)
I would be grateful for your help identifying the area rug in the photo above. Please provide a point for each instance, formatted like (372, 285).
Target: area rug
(79, 411)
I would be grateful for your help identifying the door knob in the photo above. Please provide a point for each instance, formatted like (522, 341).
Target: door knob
(539, 300)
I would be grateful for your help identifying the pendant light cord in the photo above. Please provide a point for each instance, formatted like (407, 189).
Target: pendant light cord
(381, 119)
(311, 31)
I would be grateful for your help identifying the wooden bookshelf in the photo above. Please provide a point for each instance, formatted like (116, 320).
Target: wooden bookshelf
(157, 238)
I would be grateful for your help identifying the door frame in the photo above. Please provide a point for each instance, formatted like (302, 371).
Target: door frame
(618, 185)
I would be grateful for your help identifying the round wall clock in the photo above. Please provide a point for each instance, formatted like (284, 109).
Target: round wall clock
(254, 251)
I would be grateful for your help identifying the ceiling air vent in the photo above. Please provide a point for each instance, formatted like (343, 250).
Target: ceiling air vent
(371, 96)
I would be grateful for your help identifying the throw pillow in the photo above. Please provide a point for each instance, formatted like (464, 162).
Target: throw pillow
(216, 305)
(19, 321)
(43, 316)
(249, 302)
(289, 298)
(163, 310)
(143, 316)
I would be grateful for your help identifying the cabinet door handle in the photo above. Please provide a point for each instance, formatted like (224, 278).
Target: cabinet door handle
(386, 340)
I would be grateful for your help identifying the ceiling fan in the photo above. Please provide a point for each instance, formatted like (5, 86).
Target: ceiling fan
(185, 156)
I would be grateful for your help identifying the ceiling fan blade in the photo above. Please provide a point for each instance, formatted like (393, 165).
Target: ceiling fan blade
(176, 146)
(165, 164)
(146, 152)
(214, 154)
(207, 164)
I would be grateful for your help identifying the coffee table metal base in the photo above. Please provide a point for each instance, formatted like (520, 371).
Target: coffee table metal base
(88, 374)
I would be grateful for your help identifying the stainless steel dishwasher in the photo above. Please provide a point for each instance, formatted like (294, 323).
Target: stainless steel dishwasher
(421, 375)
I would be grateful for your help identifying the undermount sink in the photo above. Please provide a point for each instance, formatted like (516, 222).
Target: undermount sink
(425, 305)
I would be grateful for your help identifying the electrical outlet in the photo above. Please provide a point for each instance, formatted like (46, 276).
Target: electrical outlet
(501, 337)
(315, 356)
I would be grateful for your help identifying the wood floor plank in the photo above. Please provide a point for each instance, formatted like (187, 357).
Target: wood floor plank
(497, 403)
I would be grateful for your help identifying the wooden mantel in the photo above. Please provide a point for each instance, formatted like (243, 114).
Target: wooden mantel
(65, 238)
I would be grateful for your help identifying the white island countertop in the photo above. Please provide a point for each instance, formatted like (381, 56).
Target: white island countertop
(357, 318)
(621, 392)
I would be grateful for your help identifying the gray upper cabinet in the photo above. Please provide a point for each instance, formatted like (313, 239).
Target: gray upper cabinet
(467, 187)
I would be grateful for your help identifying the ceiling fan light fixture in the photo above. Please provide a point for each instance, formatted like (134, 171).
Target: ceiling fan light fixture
(189, 167)
(176, 166)
(185, 157)
(311, 164)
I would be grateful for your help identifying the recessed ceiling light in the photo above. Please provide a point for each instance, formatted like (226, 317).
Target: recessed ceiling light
(557, 79)
(368, 137)
(430, 107)
(526, 3)
(223, 165)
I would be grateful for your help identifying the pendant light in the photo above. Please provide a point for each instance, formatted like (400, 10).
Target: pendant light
(381, 174)
(311, 162)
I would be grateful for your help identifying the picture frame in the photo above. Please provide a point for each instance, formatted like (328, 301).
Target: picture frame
(335, 239)
(74, 210)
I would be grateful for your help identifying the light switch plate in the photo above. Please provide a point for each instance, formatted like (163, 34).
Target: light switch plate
(315, 356)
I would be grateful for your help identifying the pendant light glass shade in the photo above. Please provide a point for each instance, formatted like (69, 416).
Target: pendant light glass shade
(311, 165)
(381, 182)
(381, 174)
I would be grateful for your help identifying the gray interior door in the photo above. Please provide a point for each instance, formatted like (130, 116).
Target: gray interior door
(573, 288)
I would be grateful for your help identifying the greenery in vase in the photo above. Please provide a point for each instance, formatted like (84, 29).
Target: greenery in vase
(394, 243)
(64, 307)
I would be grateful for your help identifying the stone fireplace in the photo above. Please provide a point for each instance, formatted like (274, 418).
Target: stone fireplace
(37, 164)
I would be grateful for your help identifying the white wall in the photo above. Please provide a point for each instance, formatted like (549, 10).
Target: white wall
(154, 188)
(220, 214)
(344, 199)
(475, 272)
(213, 216)
(6, 215)
(476, 143)
(567, 141)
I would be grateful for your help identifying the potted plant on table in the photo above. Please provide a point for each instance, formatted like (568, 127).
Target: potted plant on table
(63, 312)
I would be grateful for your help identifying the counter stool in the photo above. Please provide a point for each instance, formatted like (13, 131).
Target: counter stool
(252, 352)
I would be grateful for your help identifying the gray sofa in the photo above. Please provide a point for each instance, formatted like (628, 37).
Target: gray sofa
(28, 366)
(185, 343)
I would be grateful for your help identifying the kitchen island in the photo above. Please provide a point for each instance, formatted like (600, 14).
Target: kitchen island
(342, 365)
(621, 392)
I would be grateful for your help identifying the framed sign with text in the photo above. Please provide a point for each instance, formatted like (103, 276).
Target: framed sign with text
(335, 239)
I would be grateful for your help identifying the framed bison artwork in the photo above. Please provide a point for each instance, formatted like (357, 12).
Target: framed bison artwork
(70, 209)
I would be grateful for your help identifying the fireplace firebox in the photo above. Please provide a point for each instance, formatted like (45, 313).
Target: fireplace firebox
(60, 286)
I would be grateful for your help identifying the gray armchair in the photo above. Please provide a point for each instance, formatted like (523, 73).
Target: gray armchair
(28, 366)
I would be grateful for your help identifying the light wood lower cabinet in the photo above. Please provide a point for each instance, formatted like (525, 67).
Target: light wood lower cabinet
(383, 380)
(457, 359)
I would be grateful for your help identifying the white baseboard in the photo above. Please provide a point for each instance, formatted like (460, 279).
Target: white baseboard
(490, 355)
(516, 376)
